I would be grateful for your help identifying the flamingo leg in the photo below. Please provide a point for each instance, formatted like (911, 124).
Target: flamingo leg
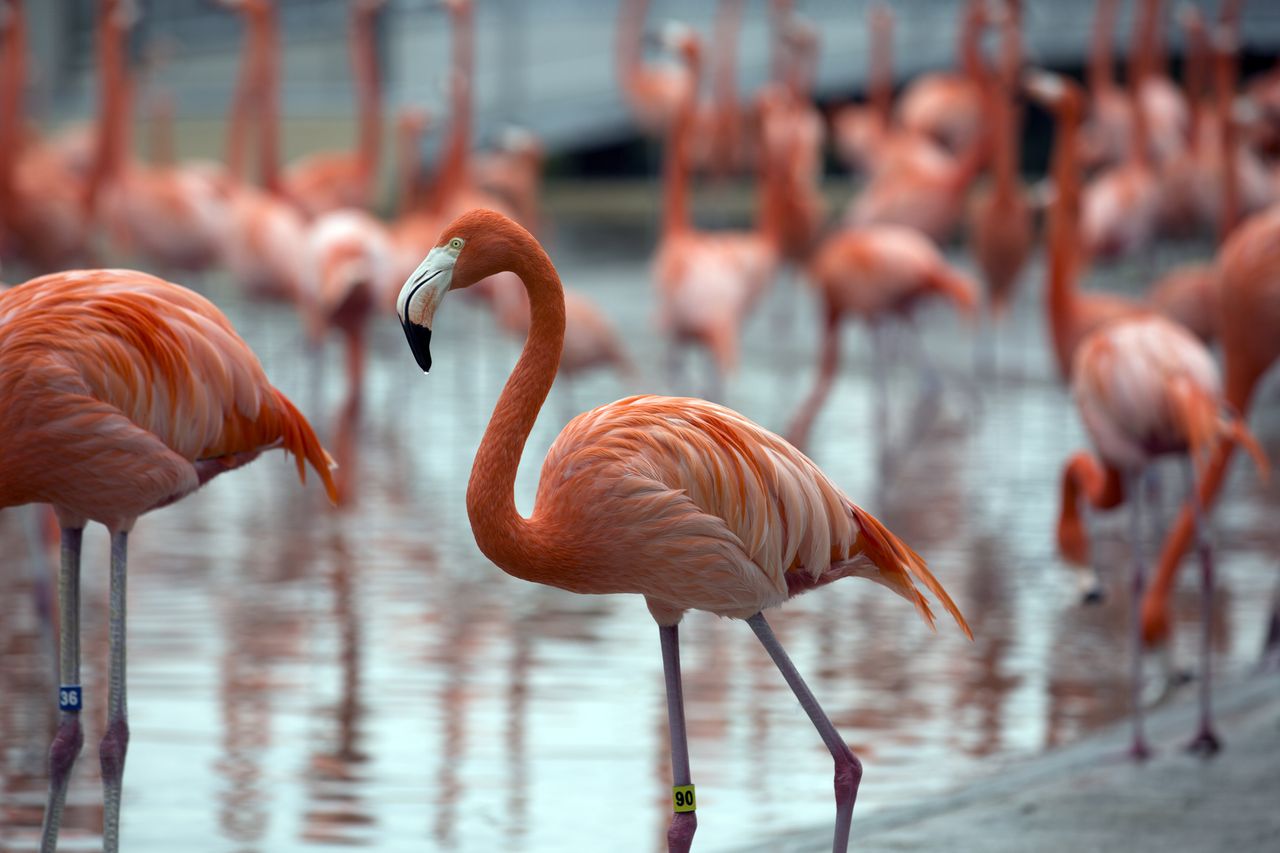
(683, 824)
(1206, 742)
(69, 737)
(879, 371)
(1139, 750)
(848, 770)
(115, 743)
(828, 363)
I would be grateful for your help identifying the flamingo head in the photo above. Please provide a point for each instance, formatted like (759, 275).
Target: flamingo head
(476, 245)
(1055, 93)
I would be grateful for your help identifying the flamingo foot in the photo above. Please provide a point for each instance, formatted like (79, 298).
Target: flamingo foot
(1139, 751)
(1205, 744)
(680, 833)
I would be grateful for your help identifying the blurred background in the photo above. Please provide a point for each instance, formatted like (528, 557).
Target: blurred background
(303, 678)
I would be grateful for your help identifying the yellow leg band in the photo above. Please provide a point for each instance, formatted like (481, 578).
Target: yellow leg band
(682, 799)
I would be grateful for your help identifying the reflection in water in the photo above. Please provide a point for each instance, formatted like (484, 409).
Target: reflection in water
(365, 678)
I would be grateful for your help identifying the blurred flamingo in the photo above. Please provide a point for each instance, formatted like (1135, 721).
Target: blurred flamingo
(877, 274)
(513, 172)
(1106, 131)
(1000, 229)
(349, 264)
(948, 105)
(41, 190)
(682, 501)
(865, 136)
(126, 393)
(1249, 317)
(264, 248)
(654, 91)
(1073, 313)
(174, 216)
(708, 281)
(329, 180)
(1147, 388)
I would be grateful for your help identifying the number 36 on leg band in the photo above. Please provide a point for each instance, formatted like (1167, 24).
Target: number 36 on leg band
(682, 799)
(69, 698)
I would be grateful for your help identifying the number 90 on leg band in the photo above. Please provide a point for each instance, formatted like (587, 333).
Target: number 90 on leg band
(682, 799)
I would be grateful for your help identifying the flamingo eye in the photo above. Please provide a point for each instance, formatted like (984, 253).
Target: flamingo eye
(455, 243)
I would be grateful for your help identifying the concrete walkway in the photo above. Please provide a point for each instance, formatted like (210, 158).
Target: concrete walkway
(1089, 797)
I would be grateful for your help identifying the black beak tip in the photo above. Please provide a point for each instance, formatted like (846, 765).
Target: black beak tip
(419, 338)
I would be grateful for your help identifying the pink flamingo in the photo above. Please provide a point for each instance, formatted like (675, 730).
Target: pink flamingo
(124, 393)
(175, 216)
(865, 136)
(1001, 228)
(682, 501)
(1146, 388)
(654, 91)
(1106, 133)
(350, 265)
(1073, 313)
(329, 180)
(1249, 317)
(264, 248)
(877, 274)
(948, 105)
(709, 281)
(41, 190)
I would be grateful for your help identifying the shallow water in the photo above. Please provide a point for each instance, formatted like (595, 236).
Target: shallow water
(302, 679)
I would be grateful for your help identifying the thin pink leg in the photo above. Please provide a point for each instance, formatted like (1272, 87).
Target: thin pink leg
(1206, 741)
(1139, 751)
(69, 737)
(115, 743)
(683, 824)
(848, 769)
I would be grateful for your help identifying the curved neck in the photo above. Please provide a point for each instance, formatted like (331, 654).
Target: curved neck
(1146, 53)
(238, 114)
(506, 538)
(675, 177)
(1101, 69)
(364, 66)
(728, 22)
(1195, 75)
(408, 167)
(1064, 241)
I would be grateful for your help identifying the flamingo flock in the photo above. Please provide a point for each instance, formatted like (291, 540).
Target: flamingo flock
(122, 392)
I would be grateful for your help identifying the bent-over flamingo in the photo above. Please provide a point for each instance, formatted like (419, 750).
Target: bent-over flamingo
(874, 273)
(1145, 388)
(123, 393)
(680, 500)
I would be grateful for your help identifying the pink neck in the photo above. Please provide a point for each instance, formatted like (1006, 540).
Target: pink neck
(1064, 240)
(453, 169)
(509, 540)
(364, 65)
(675, 177)
(1101, 70)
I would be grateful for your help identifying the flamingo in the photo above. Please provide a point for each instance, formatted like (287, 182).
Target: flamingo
(865, 136)
(1147, 388)
(654, 91)
(709, 281)
(680, 500)
(1001, 217)
(1249, 317)
(948, 105)
(1105, 134)
(792, 136)
(1073, 313)
(124, 393)
(329, 180)
(266, 233)
(174, 216)
(41, 188)
(349, 268)
(876, 274)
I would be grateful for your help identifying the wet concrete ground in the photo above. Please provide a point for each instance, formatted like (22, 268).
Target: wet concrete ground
(302, 679)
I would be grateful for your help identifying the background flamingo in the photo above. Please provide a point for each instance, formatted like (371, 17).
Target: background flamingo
(679, 500)
(125, 393)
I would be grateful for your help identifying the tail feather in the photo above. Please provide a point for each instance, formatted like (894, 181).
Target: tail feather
(300, 439)
(899, 566)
